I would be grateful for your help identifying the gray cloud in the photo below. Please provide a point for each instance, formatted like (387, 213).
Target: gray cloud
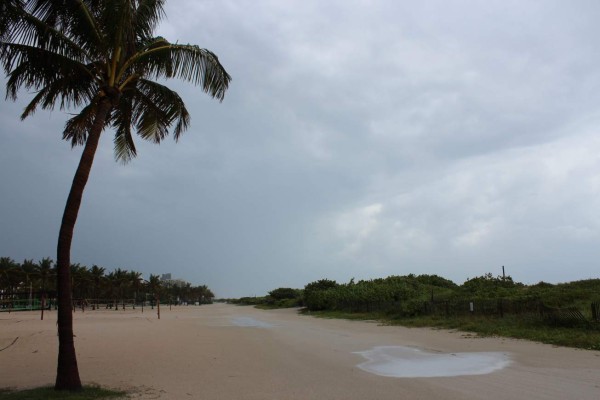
(358, 139)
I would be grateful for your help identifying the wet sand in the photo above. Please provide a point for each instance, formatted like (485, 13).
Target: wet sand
(229, 352)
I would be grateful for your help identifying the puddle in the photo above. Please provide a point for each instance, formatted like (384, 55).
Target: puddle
(412, 362)
(249, 322)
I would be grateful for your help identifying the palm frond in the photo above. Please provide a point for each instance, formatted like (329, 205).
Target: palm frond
(52, 12)
(124, 146)
(144, 45)
(147, 16)
(116, 19)
(187, 62)
(156, 109)
(10, 14)
(151, 122)
(169, 101)
(86, 29)
(76, 18)
(39, 69)
(32, 32)
(77, 128)
(71, 92)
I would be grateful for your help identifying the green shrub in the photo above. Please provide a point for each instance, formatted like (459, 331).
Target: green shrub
(285, 293)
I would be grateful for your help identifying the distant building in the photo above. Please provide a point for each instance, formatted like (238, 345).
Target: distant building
(168, 281)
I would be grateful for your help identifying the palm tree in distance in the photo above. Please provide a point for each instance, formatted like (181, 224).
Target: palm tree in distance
(135, 281)
(101, 57)
(113, 283)
(44, 272)
(155, 286)
(97, 277)
(28, 269)
(79, 285)
(122, 281)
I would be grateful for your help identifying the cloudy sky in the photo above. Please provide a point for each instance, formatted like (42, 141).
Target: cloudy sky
(358, 139)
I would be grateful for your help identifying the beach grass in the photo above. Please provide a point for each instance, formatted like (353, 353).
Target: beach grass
(48, 393)
(587, 338)
(581, 337)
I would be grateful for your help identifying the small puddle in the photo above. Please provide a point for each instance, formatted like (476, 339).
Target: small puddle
(412, 362)
(249, 322)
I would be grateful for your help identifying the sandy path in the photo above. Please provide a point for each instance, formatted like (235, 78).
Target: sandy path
(210, 352)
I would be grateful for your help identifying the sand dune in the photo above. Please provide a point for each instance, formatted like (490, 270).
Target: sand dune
(228, 352)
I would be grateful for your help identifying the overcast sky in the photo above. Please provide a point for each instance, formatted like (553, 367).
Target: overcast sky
(358, 139)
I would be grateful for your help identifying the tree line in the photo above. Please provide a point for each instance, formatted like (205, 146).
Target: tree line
(418, 295)
(92, 287)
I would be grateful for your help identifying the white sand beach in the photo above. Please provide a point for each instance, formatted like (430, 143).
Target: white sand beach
(229, 352)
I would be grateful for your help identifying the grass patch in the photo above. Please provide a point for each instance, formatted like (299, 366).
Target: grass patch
(48, 393)
(510, 326)
(519, 328)
(358, 316)
(274, 306)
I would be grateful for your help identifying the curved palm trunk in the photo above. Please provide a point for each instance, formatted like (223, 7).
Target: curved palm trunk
(67, 374)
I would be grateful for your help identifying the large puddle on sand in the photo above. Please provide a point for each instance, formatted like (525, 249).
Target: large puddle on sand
(249, 322)
(412, 362)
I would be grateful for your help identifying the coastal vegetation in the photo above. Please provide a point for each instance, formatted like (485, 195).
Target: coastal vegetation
(101, 58)
(32, 285)
(566, 314)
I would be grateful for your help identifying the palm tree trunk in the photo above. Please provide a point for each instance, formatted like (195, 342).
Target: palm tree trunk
(67, 373)
(158, 306)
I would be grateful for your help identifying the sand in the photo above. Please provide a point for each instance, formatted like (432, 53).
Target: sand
(228, 352)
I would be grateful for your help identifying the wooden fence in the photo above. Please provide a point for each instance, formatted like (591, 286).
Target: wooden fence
(526, 308)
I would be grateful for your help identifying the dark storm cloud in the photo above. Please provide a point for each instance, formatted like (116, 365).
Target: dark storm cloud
(358, 139)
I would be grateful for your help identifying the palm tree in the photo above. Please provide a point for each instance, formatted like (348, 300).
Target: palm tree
(155, 286)
(81, 284)
(28, 268)
(205, 295)
(135, 281)
(121, 280)
(6, 264)
(44, 272)
(97, 277)
(100, 55)
(112, 284)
